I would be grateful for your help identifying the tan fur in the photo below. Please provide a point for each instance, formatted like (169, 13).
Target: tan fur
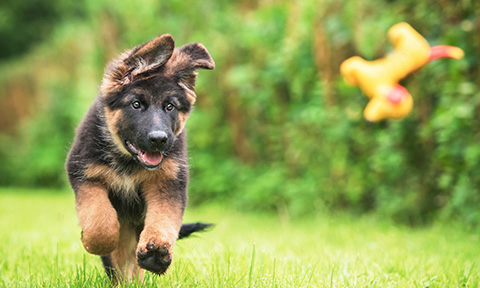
(128, 184)
(177, 62)
(153, 54)
(111, 178)
(97, 218)
(112, 118)
(189, 93)
(115, 75)
(182, 119)
(180, 61)
(124, 255)
(162, 221)
(118, 73)
(102, 233)
(169, 169)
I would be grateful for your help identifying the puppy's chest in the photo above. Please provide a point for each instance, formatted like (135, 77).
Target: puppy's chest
(124, 185)
(130, 185)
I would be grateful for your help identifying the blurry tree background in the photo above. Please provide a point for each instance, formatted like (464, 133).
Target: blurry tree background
(275, 127)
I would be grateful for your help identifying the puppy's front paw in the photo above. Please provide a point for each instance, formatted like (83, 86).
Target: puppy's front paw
(154, 257)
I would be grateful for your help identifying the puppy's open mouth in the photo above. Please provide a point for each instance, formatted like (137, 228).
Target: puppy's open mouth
(148, 159)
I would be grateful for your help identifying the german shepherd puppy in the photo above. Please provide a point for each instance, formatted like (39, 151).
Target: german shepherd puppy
(128, 163)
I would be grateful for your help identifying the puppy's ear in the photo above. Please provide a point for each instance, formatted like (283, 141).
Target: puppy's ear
(185, 62)
(151, 55)
(137, 63)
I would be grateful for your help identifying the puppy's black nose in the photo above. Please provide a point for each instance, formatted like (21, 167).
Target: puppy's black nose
(157, 137)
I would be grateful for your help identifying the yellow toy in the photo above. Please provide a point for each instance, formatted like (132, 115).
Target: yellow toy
(379, 79)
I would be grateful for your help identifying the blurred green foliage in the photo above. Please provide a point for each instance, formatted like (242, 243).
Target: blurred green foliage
(24, 24)
(275, 128)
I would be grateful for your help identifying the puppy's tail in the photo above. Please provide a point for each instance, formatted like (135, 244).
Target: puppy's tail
(189, 228)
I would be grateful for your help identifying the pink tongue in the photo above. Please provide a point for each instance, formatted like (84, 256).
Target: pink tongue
(151, 158)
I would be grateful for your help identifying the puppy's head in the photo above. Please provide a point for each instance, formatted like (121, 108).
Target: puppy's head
(148, 93)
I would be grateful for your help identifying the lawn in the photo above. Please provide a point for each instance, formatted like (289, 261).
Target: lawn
(41, 248)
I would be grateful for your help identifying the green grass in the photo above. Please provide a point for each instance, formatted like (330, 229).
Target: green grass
(40, 247)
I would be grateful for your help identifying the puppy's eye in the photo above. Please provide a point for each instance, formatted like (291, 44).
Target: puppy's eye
(136, 105)
(169, 107)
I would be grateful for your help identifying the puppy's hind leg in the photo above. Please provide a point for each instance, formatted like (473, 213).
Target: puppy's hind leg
(121, 264)
(109, 268)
